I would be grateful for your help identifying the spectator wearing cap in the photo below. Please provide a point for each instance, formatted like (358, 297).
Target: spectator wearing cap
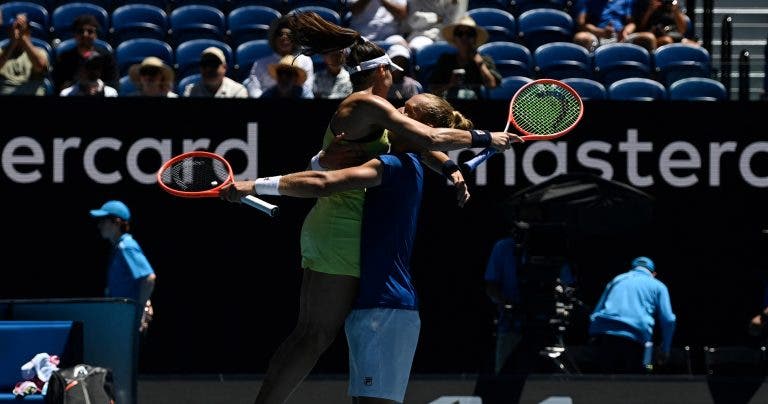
(403, 85)
(464, 73)
(282, 43)
(68, 62)
(23, 66)
(152, 78)
(622, 323)
(129, 274)
(332, 82)
(214, 83)
(89, 82)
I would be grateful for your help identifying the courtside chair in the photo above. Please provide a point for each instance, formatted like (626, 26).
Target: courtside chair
(135, 50)
(197, 21)
(188, 55)
(37, 16)
(326, 13)
(512, 59)
(500, 24)
(697, 89)
(620, 60)
(64, 15)
(587, 89)
(507, 88)
(637, 89)
(677, 61)
(424, 59)
(248, 52)
(559, 60)
(544, 25)
(138, 21)
(249, 22)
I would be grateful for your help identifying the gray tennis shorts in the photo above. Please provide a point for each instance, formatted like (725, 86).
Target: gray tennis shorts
(382, 343)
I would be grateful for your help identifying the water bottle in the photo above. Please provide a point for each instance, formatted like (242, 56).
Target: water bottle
(648, 356)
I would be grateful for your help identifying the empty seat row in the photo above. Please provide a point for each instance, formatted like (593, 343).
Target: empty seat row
(642, 89)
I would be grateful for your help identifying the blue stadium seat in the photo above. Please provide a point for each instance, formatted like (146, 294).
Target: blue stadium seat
(507, 88)
(521, 6)
(559, 60)
(138, 21)
(163, 4)
(135, 50)
(424, 59)
(250, 22)
(619, 60)
(500, 24)
(126, 86)
(637, 89)
(587, 89)
(188, 55)
(543, 25)
(71, 43)
(37, 17)
(512, 59)
(222, 5)
(500, 4)
(676, 61)
(698, 89)
(279, 5)
(247, 53)
(337, 5)
(64, 15)
(196, 21)
(185, 81)
(324, 12)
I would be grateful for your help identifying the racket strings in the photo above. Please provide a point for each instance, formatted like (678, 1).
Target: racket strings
(545, 109)
(195, 174)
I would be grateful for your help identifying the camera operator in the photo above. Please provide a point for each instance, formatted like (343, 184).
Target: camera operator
(659, 22)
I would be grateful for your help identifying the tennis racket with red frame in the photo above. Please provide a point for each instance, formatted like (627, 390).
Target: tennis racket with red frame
(543, 109)
(201, 174)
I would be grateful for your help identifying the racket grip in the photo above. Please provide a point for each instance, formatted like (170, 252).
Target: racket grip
(260, 204)
(471, 165)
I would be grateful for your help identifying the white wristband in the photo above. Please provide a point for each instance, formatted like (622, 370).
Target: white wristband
(267, 185)
(315, 162)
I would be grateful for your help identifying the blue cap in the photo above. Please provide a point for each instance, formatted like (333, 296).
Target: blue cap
(644, 262)
(112, 208)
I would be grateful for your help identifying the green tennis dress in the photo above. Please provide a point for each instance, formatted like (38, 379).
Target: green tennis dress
(330, 235)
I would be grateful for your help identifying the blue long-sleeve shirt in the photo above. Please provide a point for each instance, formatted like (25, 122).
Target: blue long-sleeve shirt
(630, 306)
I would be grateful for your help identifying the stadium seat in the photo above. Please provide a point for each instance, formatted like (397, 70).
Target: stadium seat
(188, 55)
(197, 21)
(677, 61)
(587, 89)
(279, 5)
(184, 82)
(507, 88)
(619, 60)
(325, 12)
(126, 86)
(247, 53)
(521, 6)
(64, 15)
(135, 50)
(37, 17)
(637, 89)
(71, 43)
(217, 4)
(336, 5)
(138, 21)
(500, 4)
(250, 22)
(543, 25)
(424, 59)
(500, 24)
(698, 89)
(512, 59)
(162, 4)
(559, 60)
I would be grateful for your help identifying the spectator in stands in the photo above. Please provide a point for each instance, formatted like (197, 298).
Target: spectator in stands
(89, 82)
(659, 22)
(23, 66)
(464, 74)
(288, 79)
(603, 21)
(403, 85)
(68, 62)
(152, 78)
(379, 20)
(333, 81)
(427, 17)
(213, 81)
(281, 41)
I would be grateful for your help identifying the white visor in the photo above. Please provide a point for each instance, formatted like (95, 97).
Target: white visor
(374, 63)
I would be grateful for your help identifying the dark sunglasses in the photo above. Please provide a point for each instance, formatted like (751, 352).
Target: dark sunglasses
(464, 32)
